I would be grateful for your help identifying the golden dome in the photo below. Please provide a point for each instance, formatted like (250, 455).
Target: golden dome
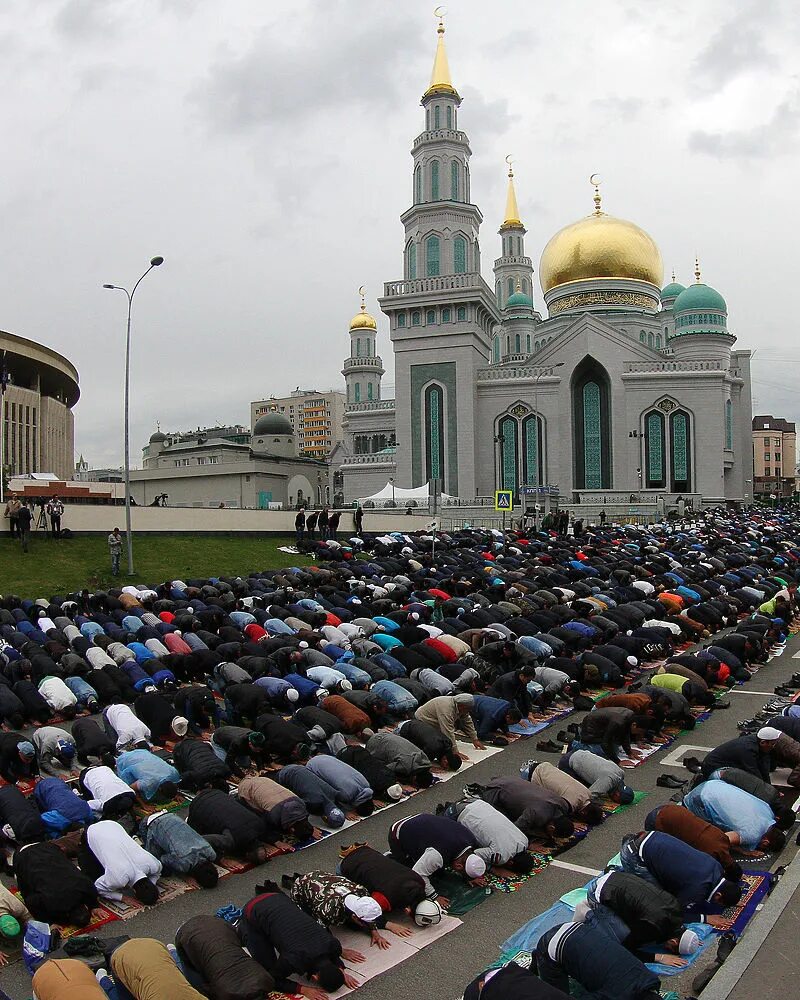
(600, 246)
(363, 320)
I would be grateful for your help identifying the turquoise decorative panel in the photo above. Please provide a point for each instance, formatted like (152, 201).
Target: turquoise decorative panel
(680, 451)
(592, 437)
(508, 453)
(655, 448)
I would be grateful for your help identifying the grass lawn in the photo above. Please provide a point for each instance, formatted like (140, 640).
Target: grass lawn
(50, 567)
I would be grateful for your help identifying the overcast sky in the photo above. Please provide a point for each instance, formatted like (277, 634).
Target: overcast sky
(263, 149)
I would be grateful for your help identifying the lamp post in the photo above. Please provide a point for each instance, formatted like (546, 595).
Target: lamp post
(154, 262)
(5, 378)
(545, 371)
(391, 480)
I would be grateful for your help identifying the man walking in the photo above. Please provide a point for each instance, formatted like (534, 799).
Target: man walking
(24, 518)
(12, 510)
(55, 511)
(300, 526)
(115, 548)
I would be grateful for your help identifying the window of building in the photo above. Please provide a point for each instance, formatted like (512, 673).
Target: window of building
(401, 319)
(437, 115)
(435, 180)
(430, 317)
(681, 451)
(416, 318)
(358, 347)
(454, 179)
(767, 456)
(417, 185)
(777, 442)
(650, 340)
(213, 460)
(496, 349)
(412, 260)
(507, 439)
(528, 343)
(449, 116)
(526, 286)
(446, 315)
(658, 341)
(432, 256)
(655, 451)
(510, 286)
(767, 472)
(728, 424)
(498, 291)
(460, 255)
(517, 344)
(434, 431)
(369, 390)
(461, 313)
(358, 392)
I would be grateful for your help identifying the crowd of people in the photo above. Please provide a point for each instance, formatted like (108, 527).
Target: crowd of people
(315, 693)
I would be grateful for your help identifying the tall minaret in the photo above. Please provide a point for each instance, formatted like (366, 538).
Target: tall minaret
(363, 370)
(442, 313)
(513, 270)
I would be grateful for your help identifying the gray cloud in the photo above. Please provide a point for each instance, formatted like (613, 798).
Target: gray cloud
(737, 47)
(87, 20)
(778, 136)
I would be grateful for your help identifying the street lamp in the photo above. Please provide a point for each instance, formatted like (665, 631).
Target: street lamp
(546, 371)
(5, 378)
(154, 262)
(391, 480)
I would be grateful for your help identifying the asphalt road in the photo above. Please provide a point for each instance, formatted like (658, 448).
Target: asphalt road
(443, 969)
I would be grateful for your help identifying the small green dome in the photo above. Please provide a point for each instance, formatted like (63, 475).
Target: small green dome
(519, 299)
(699, 296)
(272, 423)
(672, 290)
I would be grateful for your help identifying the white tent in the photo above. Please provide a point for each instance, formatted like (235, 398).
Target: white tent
(401, 496)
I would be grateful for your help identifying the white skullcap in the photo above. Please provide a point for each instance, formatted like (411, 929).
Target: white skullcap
(346, 685)
(180, 725)
(293, 695)
(464, 699)
(689, 943)
(632, 661)
(414, 616)
(303, 644)
(768, 733)
(475, 867)
(364, 907)
(395, 792)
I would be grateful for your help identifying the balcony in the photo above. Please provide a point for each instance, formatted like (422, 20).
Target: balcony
(439, 134)
(676, 366)
(374, 404)
(371, 362)
(443, 283)
(543, 375)
(379, 458)
(519, 261)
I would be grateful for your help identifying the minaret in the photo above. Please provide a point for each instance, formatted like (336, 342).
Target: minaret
(513, 268)
(363, 370)
(441, 313)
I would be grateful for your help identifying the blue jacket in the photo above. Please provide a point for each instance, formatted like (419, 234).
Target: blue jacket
(177, 846)
(489, 714)
(352, 788)
(148, 770)
(417, 833)
(731, 808)
(690, 875)
(54, 795)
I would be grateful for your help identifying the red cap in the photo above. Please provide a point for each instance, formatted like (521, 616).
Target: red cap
(382, 901)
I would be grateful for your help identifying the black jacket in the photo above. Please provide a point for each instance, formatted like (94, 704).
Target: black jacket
(280, 737)
(368, 867)
(90, 739)
(50, 884)
(198, 764)
(21, 814)
(529, 807)
(212, 947)
(744, 753)
(652, 913)
(378, 776)
(214, 811)
(509, 687)
(156, 713)
(610, 727)
(12, 767)
(431, 742)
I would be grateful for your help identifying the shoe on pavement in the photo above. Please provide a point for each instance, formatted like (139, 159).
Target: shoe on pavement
(669, 781)
(548, 746)
(692, 764)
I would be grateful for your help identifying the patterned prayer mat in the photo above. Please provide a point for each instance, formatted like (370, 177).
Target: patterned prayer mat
(756, 887)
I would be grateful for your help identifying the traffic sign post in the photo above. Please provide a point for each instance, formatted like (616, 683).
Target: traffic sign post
(504, 500)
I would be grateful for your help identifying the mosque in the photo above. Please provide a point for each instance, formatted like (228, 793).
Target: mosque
(610, 385)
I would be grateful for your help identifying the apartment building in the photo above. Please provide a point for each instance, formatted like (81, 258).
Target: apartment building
(774, 456)
(315, 416)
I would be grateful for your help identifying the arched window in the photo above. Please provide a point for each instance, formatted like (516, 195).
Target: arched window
(680, 446)
(461, 313)
(728, 424)
(430, 316)
(496, 350)
(591, 426)
(508, 345)
(449, 116)
(642, 337)
(412, 260)
(650, 340)
(437, 117)
(416, 318)
(454, 179)
(432, 256)
(533, 466)
(435, 180)
(417, 184)
(369, 390)
(508, 454)
(658, 341)
(358, 392)
(358, 347)
(536, 346)
(526, 286)
(460, 255)
(655, 452)
(434, 432)
(528, 343)
(498, 291)
(446, 314)
(510, 286)
(517, 344)
(401, 319)
(348, 400)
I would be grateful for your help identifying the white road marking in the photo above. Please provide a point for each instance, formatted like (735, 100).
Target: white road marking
(575, 868)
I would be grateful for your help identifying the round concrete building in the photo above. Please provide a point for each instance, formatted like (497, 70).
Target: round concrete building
(38, 425)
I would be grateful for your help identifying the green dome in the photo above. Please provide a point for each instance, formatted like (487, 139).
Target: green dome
(672, 290)
(699, 296)
(272, 423)
(519, 299)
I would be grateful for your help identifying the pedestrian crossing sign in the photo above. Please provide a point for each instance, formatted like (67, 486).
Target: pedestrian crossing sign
(503, 500)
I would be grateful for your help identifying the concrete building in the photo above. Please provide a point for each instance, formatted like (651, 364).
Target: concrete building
(207, 471)
(83, 474)
(316, 418)
(40, 390)
(774, 456)
(615, 386)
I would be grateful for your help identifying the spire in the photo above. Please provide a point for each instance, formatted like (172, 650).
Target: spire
(673, 276)
(512, 210)
(594, 180)
(440, 77)
(697, 270)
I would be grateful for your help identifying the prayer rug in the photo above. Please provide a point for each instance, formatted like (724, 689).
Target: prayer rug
(509, 881)
(756, 887)
(463, 896)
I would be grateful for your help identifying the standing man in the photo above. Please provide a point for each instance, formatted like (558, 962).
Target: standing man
(311, 525)
(24, 518)
(333, 524)
(55, 511)
(115, 548)
(358, 519)
(300, 526)
(12, 510)
(322, 523)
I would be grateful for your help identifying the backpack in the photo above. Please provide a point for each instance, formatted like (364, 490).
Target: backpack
(39, 939)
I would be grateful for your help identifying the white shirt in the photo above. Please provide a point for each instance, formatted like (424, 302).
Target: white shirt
(56, 693)
(128, 728)
(103, 785)
(45, 624)
(123, 860)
